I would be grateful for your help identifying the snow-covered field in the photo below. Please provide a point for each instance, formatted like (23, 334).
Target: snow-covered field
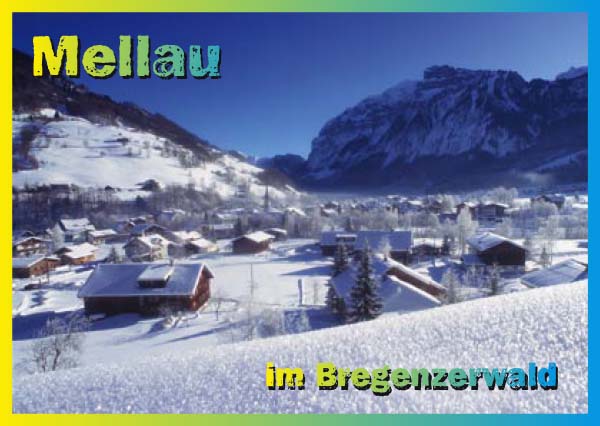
(76, 151)
(542, 325)
(276, 275)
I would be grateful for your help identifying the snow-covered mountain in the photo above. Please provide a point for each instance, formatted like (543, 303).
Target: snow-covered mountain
(542, 326)
(65, 134)
(457, 127)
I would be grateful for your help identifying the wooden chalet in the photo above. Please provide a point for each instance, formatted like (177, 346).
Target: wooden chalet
(146, 288)
(493, 249)
(25, 267)
(254, 242)
(29, 246)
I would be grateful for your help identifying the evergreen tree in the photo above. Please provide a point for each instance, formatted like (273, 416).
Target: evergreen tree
(366, 302)
(340, 260)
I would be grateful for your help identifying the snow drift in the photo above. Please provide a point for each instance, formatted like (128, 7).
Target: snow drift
(541, 325)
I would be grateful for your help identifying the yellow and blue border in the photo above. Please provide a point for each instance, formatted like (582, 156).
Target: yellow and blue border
(7, 7)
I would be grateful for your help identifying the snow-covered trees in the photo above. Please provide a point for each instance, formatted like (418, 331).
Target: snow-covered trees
(465, 227)
(59, 344)
(57, 237)
(452, 284)
(366, 303)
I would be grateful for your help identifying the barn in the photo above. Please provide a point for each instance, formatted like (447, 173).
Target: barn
(25, 267)
(254, 242)
(493, 249)
(146, 288)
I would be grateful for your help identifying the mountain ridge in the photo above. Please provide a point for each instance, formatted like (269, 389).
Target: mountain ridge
(453, 128)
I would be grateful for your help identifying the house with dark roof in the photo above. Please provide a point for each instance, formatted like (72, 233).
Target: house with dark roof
(493, 249)
(146, 287)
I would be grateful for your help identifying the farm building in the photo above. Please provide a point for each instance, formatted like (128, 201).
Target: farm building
(277, 233)
(101, 236)
(567, 271)
(25, 267)
(148, 248)
(30, 245)
(78, 254)
(330, 240)
(397, 294)
(146, 288)
(398, 243)
(493, 249)
(75, 229)
(254, 242)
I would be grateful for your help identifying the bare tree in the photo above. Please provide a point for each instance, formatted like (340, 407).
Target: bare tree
(58, 345)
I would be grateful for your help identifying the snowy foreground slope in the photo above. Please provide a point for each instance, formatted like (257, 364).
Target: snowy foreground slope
(543, 325)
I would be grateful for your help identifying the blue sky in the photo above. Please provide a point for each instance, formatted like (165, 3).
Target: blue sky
(285, 75)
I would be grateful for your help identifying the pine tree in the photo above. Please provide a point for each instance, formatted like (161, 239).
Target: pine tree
(366, 302)
(340, 260)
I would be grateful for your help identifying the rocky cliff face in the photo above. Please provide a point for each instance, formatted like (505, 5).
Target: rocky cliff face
(456, 125)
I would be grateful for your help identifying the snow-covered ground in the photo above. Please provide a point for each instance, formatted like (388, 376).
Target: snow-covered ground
(542, 325)
(276, 274)
(76, 151)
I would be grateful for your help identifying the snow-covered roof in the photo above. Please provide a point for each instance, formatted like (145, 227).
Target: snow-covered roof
(150, 241)
(257, 237)
(276, 231)
(26, 262)
(26, 239)
(392, 264)
(187, 235)
(398, 240)
(77, 225)
(102, 233)
(160, 272)
(331, 238)
(397, 295)
(80, 250)
(487, 240)
(567, 271)
(202, 243)
(295, 210)
(121, 280)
